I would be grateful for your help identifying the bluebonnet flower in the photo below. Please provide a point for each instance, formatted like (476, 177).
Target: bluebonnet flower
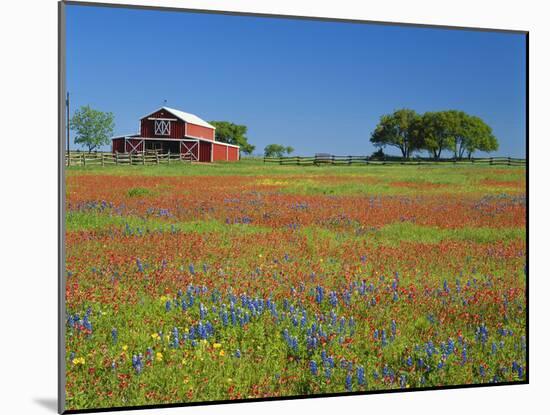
(139, 265)
(319, 294)
(114, 335)
(168, 305)
(192, 269)
(313, 367)
(333, 299)
(384, 340)
(361, 375)
(348, 382)
(482, 371)
(464, 355)
(237, 353)
(175, 338)
(137, 363)
(202, 311)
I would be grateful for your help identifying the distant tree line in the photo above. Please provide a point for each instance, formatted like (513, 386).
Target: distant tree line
(454, 131)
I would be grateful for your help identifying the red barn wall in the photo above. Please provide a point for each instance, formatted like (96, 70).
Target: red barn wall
(198, 131)
(220, 152)
(118, 145)
(233, 153)
(205, 151)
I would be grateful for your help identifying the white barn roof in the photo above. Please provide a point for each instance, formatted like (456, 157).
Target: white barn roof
(187, 117)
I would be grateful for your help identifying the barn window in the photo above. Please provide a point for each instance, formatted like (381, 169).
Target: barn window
(162, 127)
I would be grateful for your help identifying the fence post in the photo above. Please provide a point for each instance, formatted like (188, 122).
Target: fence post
(143, 157)
(491, 161)
(168, 156)
(116, 158)
(102, 159)
(157, 154)
(83, 157)
(509, 161)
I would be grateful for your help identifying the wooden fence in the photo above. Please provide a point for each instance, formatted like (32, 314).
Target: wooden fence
(366, 160)
(108, 159)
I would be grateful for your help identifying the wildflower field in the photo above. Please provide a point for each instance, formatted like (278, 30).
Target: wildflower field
(191, 283)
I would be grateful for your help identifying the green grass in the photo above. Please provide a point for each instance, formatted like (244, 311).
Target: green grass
(398, 232)
(84, 221)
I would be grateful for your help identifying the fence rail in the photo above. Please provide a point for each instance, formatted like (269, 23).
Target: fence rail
(367, 160)
(107, 159)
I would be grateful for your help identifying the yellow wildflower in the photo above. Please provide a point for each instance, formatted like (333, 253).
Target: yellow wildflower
(217, 345)
(125, 347)
(155, 336)
(78, 361)
(159, 357)
(222, 353)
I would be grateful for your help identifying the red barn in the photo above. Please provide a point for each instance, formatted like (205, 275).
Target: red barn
(177, 132)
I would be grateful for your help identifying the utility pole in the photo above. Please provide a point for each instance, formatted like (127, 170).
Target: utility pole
(68, 131)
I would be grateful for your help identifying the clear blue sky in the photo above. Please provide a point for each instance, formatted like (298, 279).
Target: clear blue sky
(318, 86)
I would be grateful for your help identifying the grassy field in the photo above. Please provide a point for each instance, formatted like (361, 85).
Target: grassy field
(189, 283)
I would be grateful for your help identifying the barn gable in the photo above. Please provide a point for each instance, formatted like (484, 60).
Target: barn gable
(171, 123)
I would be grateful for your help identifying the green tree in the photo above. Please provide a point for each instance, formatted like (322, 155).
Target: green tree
(478, 136)
(397, 130)
(277, 150)
(432, 132)
(93, 128)
(235, 134)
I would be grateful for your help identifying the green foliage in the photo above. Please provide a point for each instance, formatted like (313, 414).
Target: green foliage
(277, 150)
(397, 130)
(452, 130)
(235, 134)
(93, 128)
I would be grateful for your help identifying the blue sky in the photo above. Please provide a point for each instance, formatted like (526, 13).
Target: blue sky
(317, 86)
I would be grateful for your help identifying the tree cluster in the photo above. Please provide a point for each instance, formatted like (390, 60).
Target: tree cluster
(277, 150)
(455, 131)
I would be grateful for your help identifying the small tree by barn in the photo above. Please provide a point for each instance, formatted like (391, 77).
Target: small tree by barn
(93, 128)
(227, 132)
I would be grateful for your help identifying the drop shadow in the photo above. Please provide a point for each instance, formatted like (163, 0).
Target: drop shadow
(48, 403)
